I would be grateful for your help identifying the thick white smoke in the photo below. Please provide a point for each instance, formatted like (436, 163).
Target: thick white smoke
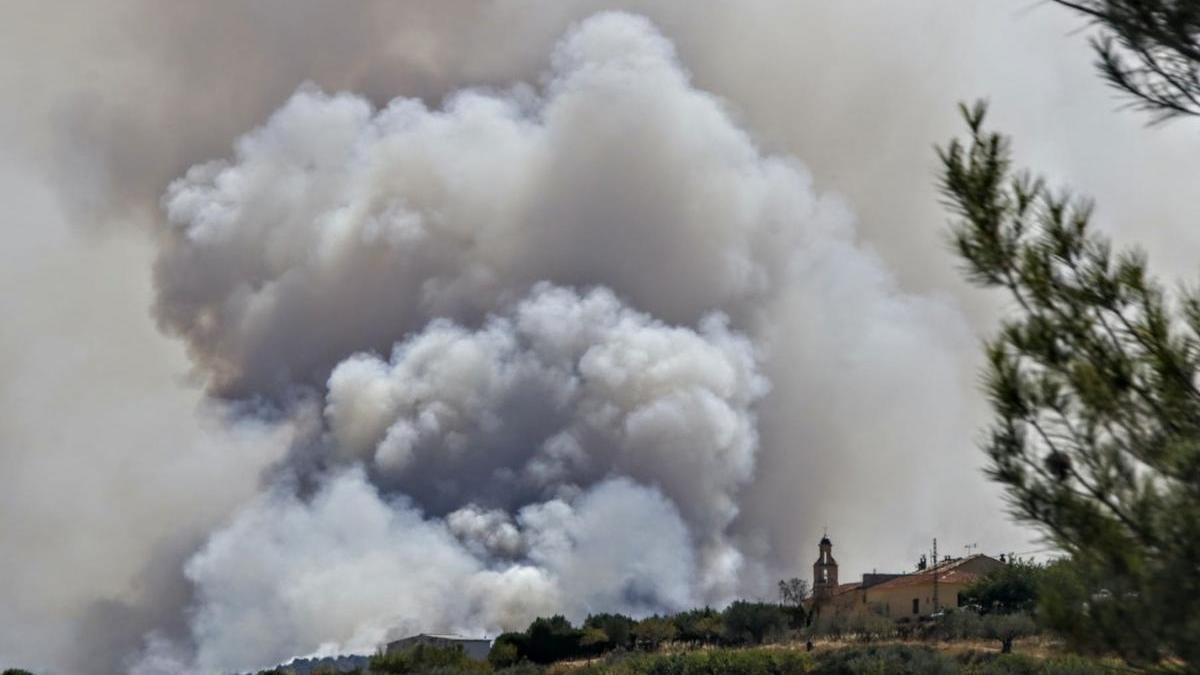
(347, 569)
(580, 286)
(523, 428)
(337, 228)
(569, 390)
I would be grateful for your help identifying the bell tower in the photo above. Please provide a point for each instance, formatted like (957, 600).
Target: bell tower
(824, 571)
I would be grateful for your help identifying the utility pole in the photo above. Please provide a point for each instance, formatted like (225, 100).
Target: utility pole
(935, 576)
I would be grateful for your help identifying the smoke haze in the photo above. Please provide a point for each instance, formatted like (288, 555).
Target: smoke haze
(327, 324)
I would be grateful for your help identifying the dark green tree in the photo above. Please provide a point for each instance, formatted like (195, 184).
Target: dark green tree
(506, 650)
(1148, 49)
(618, 629)
(1012, 588)
(552, 639)
(753, 622)
(654, 631)
(1093, 379)
(699, 626)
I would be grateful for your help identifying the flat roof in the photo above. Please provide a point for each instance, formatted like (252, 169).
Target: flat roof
(445, 636)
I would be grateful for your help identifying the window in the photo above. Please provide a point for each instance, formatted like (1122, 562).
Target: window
(916, 605)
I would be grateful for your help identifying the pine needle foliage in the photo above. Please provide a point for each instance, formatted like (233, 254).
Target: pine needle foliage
(1148, 49)
(1093, 380)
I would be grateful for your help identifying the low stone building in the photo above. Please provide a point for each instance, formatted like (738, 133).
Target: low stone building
(475, 648)
(901, 595)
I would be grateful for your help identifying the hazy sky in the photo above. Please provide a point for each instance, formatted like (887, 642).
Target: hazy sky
(324, 322)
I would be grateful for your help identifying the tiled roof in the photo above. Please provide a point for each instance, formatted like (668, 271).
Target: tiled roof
(440, 636)
(845, 588)
(947, 573)
(923, 578)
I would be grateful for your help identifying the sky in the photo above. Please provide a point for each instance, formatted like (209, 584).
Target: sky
(326, 323)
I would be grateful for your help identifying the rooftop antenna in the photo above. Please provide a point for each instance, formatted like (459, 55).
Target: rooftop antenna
(971, 547)
(935, 576)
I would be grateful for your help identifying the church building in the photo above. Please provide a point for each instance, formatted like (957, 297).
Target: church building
(908, 595)
(825, 584)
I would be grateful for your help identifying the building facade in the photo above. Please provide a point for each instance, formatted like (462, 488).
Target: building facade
(898, 596)
(475, 648)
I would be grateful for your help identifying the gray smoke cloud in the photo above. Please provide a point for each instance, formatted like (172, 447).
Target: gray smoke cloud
(420, 214)
(450, 417)
(353, 246)
(432, 221)
(277, 581)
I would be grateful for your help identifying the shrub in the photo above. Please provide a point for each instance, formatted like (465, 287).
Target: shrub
(870, 627)
(960, 624)
(524, 668)
(654, 631)
(1008, 627)
(1076, 665)
(833, 626)
(889, 659)
(505, 650)
(1000, 664)
(699, 626)
(708, 662)
(989, 663)
(428, 659)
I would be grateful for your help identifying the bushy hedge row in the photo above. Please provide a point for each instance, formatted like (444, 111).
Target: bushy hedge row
(428, 659)
(955, 624)
(891, 659)
(741, 624)
(865, 660)
(548, 640)
(707, 662)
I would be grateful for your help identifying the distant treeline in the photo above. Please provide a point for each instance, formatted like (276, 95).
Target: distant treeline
(893, 659)
(548, 640)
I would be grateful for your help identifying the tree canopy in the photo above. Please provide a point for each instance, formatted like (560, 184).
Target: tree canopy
(1149, 50)
(1093, 379)
(1009, 589)
(754, 622)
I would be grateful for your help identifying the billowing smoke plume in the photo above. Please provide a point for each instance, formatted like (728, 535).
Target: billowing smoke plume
(337, 227)
(346, 570)
(579, 284)
(589, 458)
(570, 390)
